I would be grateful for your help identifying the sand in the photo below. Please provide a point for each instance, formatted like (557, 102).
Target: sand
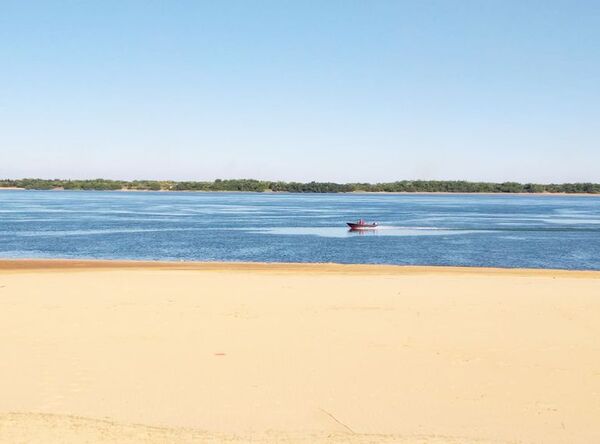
(156, 352)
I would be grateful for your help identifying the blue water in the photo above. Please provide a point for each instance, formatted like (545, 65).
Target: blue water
(471, 230)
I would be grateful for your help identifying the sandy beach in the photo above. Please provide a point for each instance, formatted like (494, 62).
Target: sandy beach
(136, 352)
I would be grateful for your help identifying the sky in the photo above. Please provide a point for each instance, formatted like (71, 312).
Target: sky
(302, 90)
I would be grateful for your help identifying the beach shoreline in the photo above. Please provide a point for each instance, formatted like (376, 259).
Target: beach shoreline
(35, 264)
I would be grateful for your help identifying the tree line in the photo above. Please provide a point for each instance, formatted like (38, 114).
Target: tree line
(252, 185)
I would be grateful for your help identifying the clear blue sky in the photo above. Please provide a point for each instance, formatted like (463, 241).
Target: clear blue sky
(302, 90)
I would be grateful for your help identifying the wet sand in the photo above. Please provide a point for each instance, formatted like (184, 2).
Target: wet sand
(133, 352)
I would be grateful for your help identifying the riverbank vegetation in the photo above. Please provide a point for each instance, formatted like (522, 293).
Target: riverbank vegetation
(251, 185)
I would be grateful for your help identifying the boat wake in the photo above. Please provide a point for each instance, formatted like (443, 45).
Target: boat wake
(380, 230)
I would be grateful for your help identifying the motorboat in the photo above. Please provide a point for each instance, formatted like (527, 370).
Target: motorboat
(361, 224)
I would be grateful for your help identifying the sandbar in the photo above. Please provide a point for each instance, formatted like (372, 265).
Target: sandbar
(152, 352)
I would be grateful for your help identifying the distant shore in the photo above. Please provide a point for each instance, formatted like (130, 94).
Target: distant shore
(153, 352)
(266, 186)
(408, 193)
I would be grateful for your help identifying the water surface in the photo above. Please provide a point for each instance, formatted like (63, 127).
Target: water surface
(469, 230)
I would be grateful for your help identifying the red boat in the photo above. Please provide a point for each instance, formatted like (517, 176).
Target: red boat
(361, 225)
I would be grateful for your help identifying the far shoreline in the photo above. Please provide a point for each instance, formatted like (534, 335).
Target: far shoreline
(401, 193)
